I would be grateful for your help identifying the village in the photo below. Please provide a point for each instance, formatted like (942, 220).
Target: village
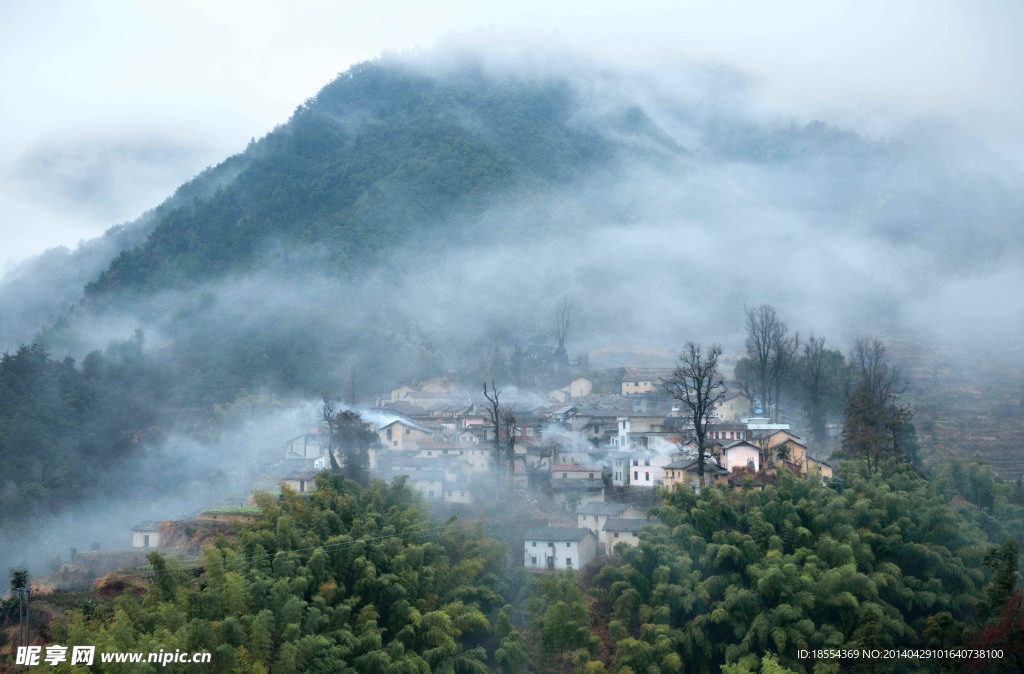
(589, 465)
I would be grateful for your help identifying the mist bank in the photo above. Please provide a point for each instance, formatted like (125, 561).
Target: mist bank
(662, 203)
(423, 213)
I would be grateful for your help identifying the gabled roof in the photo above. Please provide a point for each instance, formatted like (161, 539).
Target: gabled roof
(150, 525)
(607, 508)
(557, 534)
(305, 475)
(687, 464)
(631, 525)
(409, 424)
(740, 443)
(569, 484)
(575, 468)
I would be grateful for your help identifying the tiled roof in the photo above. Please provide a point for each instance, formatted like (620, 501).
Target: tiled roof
(556, 534)
(606, 508)
(632, 524)
(569, 484)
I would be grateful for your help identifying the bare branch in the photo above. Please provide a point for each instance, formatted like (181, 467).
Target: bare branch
(697, 384)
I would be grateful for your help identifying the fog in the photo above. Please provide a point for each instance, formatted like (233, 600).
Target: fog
(715, 201)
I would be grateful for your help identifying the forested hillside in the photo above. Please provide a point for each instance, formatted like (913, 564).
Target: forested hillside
(381, 158)
(359, 580)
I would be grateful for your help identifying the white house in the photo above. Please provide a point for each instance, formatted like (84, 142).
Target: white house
(146, 535)
(624, 530)
(594, 515)
(558, 548)
(741, 454)
(646, 469)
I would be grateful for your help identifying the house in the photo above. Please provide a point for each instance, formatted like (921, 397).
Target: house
(727, 432)
(303, 483)
(306, 446)
(644, 381)
(146, 535)
(551, 548)
(824, 468)
(620, 469)
(624, 530)
(635, 425)
(733, 407)
(429, 483)
(594, 515)
(402, 434)
(646, 469)
(457, 492)
(572, 493)
(401, 393)
(792, 454)
(741, 454)
(684, 472)
(572, 471)
(572, 450)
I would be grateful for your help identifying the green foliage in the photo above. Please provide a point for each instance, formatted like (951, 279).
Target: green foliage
(66, 430)
(370, 593)
(746, 580)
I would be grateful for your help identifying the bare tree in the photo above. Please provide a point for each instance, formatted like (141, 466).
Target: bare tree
(697, 384)
(494, 411)
(563, 325)
(780, 364)
(872, 368)
(508, 420)
(327, 419)
(764, 332)
(815, 379)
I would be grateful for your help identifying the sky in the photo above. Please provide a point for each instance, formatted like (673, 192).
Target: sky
(108, 106)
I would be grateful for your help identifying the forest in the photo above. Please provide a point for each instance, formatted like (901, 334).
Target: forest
(405, 225)
(359, 579)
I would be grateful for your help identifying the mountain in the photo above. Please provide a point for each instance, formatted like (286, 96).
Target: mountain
(421, 215)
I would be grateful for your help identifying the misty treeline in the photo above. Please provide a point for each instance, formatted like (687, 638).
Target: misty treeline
(792, 379)
(355, 579)
(66, 430)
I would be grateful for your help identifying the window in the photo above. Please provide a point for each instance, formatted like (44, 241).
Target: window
(529, 432)
(533, 560)
(647, 476)
(429, 453)
(591, 476)
(389, 434)
(534, 543)
(636, 475)
(564, 475)
(616, 534)
(647, 462)
(636, 462)
(408, 431)
(568, 545)
(568, 562)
